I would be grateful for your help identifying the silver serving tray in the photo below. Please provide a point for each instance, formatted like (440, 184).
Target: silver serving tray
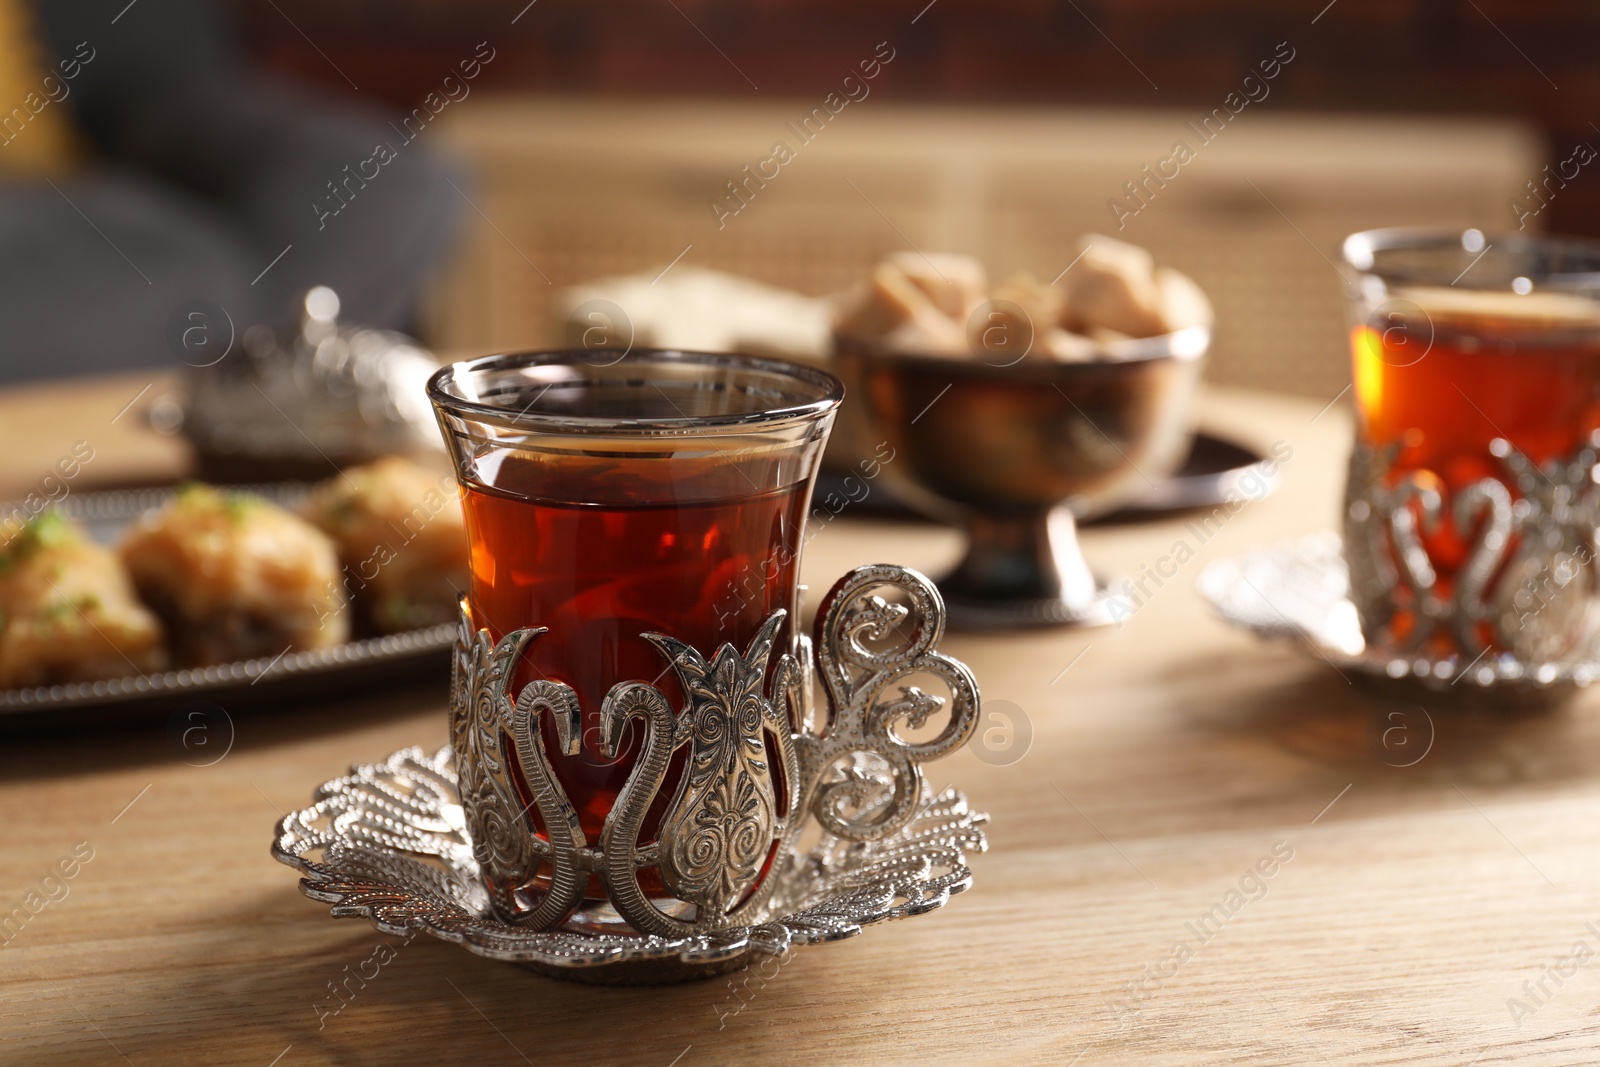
(356, 663)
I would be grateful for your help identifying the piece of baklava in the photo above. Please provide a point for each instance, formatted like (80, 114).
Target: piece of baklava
(236, 577)
(401, 538)
(68, 612)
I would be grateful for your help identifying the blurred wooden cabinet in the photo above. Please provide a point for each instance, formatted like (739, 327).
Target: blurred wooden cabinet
(569, 190)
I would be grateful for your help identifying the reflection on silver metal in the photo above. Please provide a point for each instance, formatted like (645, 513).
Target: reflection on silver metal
(507, 860)
(1526, 581)
(1300, 590)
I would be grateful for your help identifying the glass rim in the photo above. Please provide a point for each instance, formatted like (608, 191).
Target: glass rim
(1359, 252)
(829, 387)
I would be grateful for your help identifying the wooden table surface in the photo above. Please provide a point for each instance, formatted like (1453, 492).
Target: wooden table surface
(1433, 913)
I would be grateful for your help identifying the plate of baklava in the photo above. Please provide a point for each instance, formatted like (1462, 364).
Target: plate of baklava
(151, 596)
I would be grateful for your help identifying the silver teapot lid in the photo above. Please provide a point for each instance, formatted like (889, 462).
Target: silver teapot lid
(344, 393)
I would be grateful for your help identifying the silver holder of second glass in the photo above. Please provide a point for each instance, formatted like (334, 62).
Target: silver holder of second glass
(512, 862)
(1528, 581)
(1520, 621)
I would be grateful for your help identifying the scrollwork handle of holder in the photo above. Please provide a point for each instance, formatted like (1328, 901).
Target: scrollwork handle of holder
(856, 677)
(730, 810)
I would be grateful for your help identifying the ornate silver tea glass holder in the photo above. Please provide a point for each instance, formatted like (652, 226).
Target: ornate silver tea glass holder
(1527, 582)
(480, 845)
(1517, 625)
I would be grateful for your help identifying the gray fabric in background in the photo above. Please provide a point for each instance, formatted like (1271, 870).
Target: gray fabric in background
(204, 173)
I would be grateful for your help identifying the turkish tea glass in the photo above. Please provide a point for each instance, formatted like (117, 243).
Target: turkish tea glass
(1471, 506)
(612, 494)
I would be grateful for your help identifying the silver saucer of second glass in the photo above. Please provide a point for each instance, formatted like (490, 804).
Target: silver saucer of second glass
(1299, 590)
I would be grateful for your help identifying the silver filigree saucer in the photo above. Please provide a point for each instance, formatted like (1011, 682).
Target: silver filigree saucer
(1300, 590)
(389, 842)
